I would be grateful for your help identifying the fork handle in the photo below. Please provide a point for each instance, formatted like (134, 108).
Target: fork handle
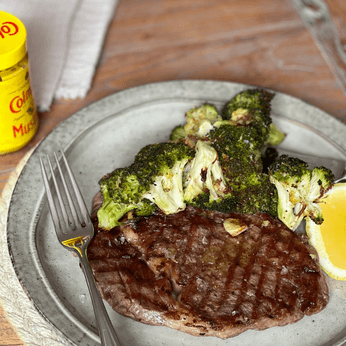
(106, 331)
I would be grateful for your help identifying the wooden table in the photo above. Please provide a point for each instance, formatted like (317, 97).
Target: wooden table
(261, 42)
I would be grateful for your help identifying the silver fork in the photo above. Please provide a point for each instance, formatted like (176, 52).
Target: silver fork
(74, 230)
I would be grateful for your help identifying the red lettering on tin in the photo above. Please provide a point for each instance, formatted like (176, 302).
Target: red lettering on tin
(8, 28)
(23, 129)
(17, 102)
(16, 131)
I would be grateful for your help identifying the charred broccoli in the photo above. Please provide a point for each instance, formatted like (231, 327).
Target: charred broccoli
(233, 145)
(160, 169)
(299, 189)
(252, 107)
(122, 192)
(238, 150)
(250, 99)
(226, 174)
(199, 121)
(155, 179)
(259, 196)
(204, 177)
(214, 162)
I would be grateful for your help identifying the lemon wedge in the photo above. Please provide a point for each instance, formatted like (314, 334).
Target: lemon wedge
(329, 238)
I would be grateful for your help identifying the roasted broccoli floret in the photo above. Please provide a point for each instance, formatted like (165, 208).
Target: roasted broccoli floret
(225, 174)
(122, 192)
(155, 179)
(275, 136)
(199, 121)
(211, 162)
(259, 196)
(246, 100)
(252, 107)
(160, 168)
(227, 204)
(299, 189)
(204, 176)
(238, 152)
(205, 186)
(178, 133)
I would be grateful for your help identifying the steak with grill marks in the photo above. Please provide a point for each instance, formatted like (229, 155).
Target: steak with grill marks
(184, 271)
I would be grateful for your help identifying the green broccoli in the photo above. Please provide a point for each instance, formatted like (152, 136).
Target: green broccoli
(155, 179)
(244, 189)
(178, 133)
(238, 153)
(211, 162)
(227, 204)
(246, 100)
(204, 184)
(199, 121)
(121, 193)
(222, 178)
(163, 164)
(204, 175)
(275, 136)
(321, 181)
(299, 189)
(259, 196)
(252, 108)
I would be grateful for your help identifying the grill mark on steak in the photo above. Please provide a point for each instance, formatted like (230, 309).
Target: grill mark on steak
(186, 272)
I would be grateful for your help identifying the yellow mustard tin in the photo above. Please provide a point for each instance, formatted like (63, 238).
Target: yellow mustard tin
(18, 116)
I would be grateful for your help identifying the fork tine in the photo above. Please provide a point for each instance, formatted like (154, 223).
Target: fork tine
(50, 197)
(61, 203)
(77, 192)
(68, 195)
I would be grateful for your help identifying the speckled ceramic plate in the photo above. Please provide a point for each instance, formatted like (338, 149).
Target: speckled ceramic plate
(106, 135)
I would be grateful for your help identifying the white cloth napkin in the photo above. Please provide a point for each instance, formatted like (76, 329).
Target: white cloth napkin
(65, 38)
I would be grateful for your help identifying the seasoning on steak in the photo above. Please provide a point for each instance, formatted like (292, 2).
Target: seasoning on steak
(184, 271)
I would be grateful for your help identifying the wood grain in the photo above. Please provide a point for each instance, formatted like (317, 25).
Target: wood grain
(260, 43)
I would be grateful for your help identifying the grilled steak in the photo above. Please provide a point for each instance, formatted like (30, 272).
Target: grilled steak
(186, 272)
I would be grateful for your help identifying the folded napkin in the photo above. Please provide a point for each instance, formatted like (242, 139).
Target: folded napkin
(64, 41)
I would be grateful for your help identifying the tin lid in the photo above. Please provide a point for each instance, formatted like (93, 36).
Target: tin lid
(12, 40)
